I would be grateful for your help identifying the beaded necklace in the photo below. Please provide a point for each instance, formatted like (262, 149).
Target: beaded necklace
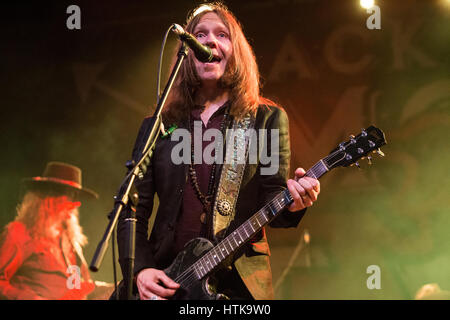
(205, 199)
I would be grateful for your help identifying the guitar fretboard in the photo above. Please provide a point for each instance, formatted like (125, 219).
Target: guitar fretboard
(345, 154)
(203, 266)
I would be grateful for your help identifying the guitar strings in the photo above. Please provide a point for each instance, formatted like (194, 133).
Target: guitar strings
(188, 276)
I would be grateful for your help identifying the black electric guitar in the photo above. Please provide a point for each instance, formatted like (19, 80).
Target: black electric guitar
(199, 259)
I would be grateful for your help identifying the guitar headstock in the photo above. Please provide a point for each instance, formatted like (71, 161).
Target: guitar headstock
(350, 151)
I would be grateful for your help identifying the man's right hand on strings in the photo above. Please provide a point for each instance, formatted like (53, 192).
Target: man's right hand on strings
(154, 284)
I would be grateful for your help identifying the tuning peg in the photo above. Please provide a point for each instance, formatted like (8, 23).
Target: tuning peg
(130, 164)
(363, 132)
(356, 164)
(352, 139)
(369, 160)
(381, 153)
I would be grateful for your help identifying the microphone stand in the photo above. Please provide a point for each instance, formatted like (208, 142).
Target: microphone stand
(137, 171)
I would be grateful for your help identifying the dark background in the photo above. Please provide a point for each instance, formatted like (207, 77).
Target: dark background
(80, 95)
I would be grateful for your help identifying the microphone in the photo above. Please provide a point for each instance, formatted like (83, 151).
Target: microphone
(202, 53)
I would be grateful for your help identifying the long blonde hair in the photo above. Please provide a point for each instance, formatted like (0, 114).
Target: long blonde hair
(40, 212)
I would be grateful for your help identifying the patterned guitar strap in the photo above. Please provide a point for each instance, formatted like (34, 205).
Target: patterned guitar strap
(237, 142)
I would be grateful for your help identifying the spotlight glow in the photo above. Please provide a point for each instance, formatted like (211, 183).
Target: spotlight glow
(367, 4)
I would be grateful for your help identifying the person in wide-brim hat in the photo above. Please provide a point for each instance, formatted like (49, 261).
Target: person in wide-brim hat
(60, 177)
(42, 248)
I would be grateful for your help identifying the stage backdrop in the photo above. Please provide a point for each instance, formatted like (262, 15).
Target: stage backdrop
(80, 95)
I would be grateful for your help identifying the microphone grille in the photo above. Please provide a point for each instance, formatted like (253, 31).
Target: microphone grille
(178, 29)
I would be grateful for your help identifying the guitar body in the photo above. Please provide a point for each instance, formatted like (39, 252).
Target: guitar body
(191, 288)
(194, 289)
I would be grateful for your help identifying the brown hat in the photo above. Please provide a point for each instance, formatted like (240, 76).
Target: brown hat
(61, 177)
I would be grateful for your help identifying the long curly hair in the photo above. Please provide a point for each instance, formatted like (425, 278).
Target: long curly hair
(241, 75)
(41, 213)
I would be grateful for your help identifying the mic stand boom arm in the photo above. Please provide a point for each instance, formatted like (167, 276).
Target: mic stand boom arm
(138, 170)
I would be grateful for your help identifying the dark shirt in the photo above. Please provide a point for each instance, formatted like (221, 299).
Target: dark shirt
(189, 225)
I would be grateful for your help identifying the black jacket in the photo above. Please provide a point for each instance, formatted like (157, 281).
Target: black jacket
(167, 181)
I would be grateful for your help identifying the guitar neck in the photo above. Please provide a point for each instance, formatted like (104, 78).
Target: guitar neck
(345, 154)
(251, 227)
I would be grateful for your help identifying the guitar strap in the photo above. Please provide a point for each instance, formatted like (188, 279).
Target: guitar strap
(237, 142)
